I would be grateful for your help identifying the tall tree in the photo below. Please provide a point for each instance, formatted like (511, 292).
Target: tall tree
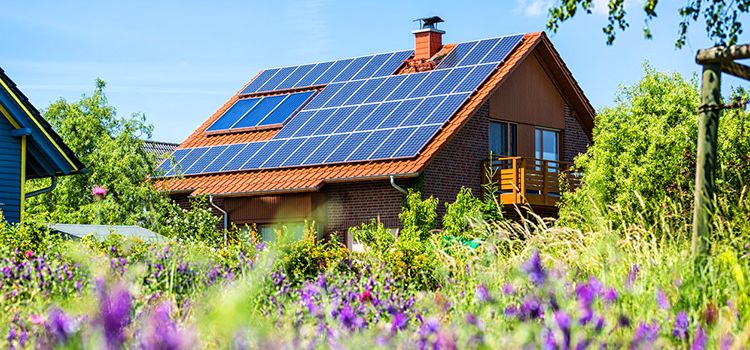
(721, 17)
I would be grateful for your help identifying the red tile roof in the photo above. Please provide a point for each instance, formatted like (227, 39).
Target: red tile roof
(314, 177)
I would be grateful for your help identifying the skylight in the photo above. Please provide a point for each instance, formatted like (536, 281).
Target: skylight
(260, 111)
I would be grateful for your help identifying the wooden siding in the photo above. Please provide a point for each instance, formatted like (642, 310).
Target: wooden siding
(10, 172)
(531, 99)
(269, 209)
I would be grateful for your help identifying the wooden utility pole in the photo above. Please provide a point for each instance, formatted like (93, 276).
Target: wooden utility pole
(714, 61)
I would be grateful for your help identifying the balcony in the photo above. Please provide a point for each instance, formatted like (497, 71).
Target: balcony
(531, 181)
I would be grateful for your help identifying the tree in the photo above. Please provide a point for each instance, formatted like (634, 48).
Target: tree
(644, 152)
(722, 18)
(111, 148)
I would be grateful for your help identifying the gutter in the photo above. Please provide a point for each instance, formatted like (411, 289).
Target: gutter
(226, 216)
(397, 187)
(43, 190)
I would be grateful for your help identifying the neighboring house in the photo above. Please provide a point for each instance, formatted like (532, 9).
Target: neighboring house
(29, 149)
(161, 150)
(336, 142)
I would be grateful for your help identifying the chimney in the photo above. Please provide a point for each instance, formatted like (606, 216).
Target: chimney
(428, 39)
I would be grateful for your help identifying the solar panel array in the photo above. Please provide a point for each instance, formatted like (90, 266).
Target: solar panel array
(326, 72)
(260, 111)
(362, 114)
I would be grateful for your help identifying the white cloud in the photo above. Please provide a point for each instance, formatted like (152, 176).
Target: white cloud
(533, 8)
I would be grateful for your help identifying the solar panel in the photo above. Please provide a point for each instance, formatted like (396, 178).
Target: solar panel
(503, 48)
(344, 93)
(166, 166)
(393, 63)
(188, 161)
(455, 76)
(293, 78)
(282, 153)
(477, 76)
(392, 143)
(385, 89)
(429, 83)
(369, 145)
(314, 123)
(403, 90)
(223, 159)
(365, 91)
(259, 111)
(206, 159)
(293, 125)
(356, 118)
(447, 108)
(416, 142)
(422, 111)
(353, 68)
(243, 156)
(314, 74)
(286, 108)
(321, 98)
(282, 74)
(305, 150)
(456, 55)
(404, 109)
(260, 157)
(332, 72)
(371, 67)
(261, 79)
(325, 149)
(377, 116)
(338, 117)
(233, 114)
(478, 52)
(345, 148)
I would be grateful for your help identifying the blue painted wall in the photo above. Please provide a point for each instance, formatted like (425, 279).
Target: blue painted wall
(10, 172)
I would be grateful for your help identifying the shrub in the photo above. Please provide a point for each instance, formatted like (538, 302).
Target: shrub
(462, 214)
(418, 217)
(307, 258)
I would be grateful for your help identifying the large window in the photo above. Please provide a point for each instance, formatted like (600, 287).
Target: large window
(503, 139)
(547, 144)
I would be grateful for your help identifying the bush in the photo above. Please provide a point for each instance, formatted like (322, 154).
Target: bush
(307, 258)
(462, 214)
(418, 217)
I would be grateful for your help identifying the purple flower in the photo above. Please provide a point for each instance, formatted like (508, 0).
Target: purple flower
(645, 333)
(161, 333)
(700, 341)
(610, 295)
(399, 322)
(632, 275)
(662, 300)
(60, 325)
(534, 269)
(508, 289)
(531, 309)
(114, 314)
(483, 294)
(98, 191)
(563, 321)
(681, 325)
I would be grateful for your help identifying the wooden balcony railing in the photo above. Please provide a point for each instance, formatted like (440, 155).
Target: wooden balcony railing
(530, 181)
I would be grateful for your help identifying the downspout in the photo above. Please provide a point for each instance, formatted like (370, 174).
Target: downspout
(226, 216)
(397, 187)
(44, 190)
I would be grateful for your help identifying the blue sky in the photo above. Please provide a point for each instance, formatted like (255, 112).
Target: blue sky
(178, 62)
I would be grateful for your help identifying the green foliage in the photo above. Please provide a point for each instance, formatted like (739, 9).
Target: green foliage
(722, 18)
(643, 156)
(418, 217)
(111, 148)
(376, 236)
(306, 259)
(462, 214)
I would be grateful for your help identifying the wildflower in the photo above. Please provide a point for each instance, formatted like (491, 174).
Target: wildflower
(623, 321)
(710, 314)
(632, 275)
(599, 325)
(114, 316)
(531, 309)
(726, 342)
(700, 341)
(508, 289)
(645, 333)
(162, 333)
(681, 324)
(563, 321)
(610, 295)
(534, 269)
(36, 319)
(98, 192)
(365, 296)
(483, 294)
(60, 325)
(399, 322)
(662, 300)
(28, 254)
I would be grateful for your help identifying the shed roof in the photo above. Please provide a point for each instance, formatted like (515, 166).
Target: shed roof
(78, 231)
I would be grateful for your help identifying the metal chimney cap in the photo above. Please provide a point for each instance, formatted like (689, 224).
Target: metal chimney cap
(429, 22)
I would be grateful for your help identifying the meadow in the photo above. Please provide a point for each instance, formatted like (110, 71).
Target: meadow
(614, 271)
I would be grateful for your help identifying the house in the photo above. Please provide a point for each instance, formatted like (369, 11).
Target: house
(160, 150)
(337, 142)
(29, 149)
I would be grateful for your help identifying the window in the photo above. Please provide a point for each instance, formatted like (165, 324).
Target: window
(503, 139)
(547, 144)
(269, 232)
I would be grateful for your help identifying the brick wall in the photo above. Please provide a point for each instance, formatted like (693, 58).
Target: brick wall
(575, 140)
(354, 203)
(460, 162)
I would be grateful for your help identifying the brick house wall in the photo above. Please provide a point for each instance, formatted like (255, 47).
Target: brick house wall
(351, 204)
(575, 140)
(459, 164)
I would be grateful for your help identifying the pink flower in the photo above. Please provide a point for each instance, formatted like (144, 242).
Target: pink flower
(99, 191)
(36, 319)
(28, 254)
